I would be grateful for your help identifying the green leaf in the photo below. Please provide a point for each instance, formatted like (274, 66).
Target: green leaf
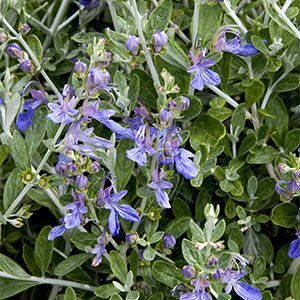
(181, 208)
(3, 154)
(292, 140)
(252, 186)
(12, 188)
(159, 18)
(262, 155)
(207, 130)
(149, 253)
(259, 44)
(230, 209)
(69, 294)
(190, 253)
(238, 119)
(284, 215)
(124, 166)
(19, 151)
(43, 249)
(36, 132)
(259, 267)
(193, 110)
(118, 265)
(133, 295)
(11, 287)
(254, 92)
(210, 18)
(115, 297)
(106, 290)
(247, 144)
(295, 286)
(86, 37)
(167, 273)
(218, 231)
(71, 263)
(290, 83)
(35, 46)
(178, 226)
(197, 232)
(10, 267)
(133, 92)
(29, 259)
(156, 296)
(220, 113)
(147, 90)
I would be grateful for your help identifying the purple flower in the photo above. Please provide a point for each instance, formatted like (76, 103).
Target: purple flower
(280, 188)
(159, 185)
(234, 45)
(203, 74)
(144, 141)
(244, 290)
(89, 3)
(61, 165)
(184, 165)
(168, 241)
(199, 292)
(25, 28)
(63, 111)
(14, 51)
(132, 45)
(294, 250)
(159, 40)
(184, 103)
(81, 182)
(94, 167)
(293, 186)
(99, 249)
(188, 271)
(109, 201)
(96, 80)
(80, 67)
(26, 66)
(3, 37)
(70, 220)
(131, 238)
(24, 119)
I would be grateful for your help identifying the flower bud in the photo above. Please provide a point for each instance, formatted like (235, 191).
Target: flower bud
(132, 45)
(96, 80)
(283, 168)
(81, 182)
(293, 186)
(212, 261)
(1, 101)
(72, 168)
(131, 238)
(184, 103)
(297, 174)
(3, 37)
(159, 40)
(24, 28)
(80, 67)
(188, 271)
(169, 241)
(165, 116)
(14, 51)
(26, 66)
(94, 167)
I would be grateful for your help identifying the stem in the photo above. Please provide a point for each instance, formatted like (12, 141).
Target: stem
(137, 18)
(286, 5)
(194, 35)
(177, 29)
(31, 54)
(113, 15)
(164, 257)
(52, 281)
(287, 21)
(295, 265)
(228, 99)
(234, 16)
(55, 200)
(271, 88)
(271, 171)
(68, 21)
(142, 208)
(56, 22)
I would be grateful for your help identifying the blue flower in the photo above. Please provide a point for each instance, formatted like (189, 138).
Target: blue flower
(294, 250)
(89, 3)
(144, 141)
(159, 40)
(280, 188)
(244, 290)
(132, 45)
(24, 119)
(159, 185)
(293, 186)
(96, 80)
(26, 66)
(63, 111)
(168, 241)
(99, 249)
(199, 292)
(70, 220)
(14, 51)
(203, 74)
(109, 201)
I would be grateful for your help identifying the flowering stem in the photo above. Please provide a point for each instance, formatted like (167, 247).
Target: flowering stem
(234, 16)
(55, 200)
(56, 22)
(52, 281)
(137, 18)
(271, 88)
(31, 54)
(287, 21)
(68, 21)
(164, 257)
